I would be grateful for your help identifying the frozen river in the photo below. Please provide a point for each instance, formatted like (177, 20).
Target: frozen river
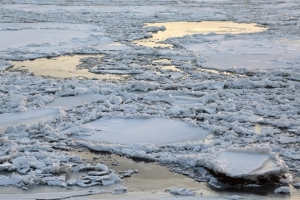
(203, 95)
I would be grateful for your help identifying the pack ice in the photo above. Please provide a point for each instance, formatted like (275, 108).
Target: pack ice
(204, 105)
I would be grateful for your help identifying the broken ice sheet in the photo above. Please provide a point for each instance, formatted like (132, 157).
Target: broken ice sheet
(152, 130)
(249, 163)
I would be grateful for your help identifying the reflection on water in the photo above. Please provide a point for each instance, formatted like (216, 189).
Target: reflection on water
(219, 72)
(162, 61)
(166, 65)
(171, 68)
(180, 29)
(61, 67)
(257, 128)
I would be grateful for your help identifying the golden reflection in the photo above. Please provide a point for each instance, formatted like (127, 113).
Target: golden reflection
(180, 29)
(62, 67)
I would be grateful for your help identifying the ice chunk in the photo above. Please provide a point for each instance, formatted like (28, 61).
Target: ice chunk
(248, 163)
(297, 185)
(182, 192)
(282, 190)
(5, 166)
(234, 197)
(285, 139)
(23, 161)
(16, 98)
(106, 182)
(13, 180)
(120, 190)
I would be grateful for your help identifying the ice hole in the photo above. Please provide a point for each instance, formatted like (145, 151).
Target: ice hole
(180, 29)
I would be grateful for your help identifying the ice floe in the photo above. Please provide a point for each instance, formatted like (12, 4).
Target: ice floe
(153, 131)
(78, 100)
(248, 163)
(28, 117)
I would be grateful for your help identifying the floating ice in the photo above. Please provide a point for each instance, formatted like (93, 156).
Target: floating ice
(227, 104)
(153, 130)
(282, 190)
(181, 192)
(248, 53)
(248, 163)
(78, 100)
(234, 197)
(28, 117)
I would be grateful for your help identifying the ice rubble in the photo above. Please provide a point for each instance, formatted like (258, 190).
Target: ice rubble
(34, 162)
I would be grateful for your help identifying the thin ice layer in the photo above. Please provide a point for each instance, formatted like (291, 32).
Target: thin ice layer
(154, 130)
